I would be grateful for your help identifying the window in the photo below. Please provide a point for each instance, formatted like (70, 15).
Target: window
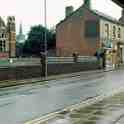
(4, 46)
(0, 46)
(107, 30)
(119, 32)
(114, 32)
(2, 35)
(91, 29)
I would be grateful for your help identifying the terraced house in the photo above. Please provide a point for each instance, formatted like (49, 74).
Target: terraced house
(7, 38)
(85, 31)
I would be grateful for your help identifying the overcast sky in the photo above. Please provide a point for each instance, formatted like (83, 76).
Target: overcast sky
(30, 12)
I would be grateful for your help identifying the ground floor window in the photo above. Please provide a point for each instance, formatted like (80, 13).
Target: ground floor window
(2, 45)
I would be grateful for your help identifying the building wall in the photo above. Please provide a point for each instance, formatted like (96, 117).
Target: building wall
(71, 35)
(11, 36)
(3, 42)
(13, 44)
(7, 38)
(109, 35)
(7, 43)
(112, 35)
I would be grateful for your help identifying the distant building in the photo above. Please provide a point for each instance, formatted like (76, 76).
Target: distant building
(20, 37)
(85, 31)
(7, 38)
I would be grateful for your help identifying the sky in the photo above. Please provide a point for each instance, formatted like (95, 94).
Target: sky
(31, 12)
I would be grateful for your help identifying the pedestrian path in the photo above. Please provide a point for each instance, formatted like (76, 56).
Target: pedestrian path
(9, 83)
(108, 111)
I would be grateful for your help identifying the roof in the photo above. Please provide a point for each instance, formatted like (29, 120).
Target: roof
(107, 17)
(119, 2)
(97, 13)
(69, 16)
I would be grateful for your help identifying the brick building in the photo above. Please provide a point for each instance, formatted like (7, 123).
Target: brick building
(85, 31)
(7, 38)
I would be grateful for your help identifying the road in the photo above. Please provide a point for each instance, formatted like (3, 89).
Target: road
(18, 105)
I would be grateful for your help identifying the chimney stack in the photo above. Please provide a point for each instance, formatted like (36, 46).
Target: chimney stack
(68, 10)
(87, 3)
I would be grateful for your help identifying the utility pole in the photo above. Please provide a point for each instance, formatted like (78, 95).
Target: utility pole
(45, 39)
(9, 31)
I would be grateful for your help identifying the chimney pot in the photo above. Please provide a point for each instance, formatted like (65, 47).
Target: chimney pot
(69, 10)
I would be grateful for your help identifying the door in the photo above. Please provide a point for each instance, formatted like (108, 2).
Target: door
(123, 54)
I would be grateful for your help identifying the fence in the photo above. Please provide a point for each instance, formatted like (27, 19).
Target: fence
(50, 60)
(80, 59)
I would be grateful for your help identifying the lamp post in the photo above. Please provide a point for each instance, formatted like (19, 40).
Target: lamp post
(45, 37)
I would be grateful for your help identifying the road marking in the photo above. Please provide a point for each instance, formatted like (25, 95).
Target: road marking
(74, 107)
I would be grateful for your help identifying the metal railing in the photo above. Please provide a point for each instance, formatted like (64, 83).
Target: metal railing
(71, 59)
(50, 60)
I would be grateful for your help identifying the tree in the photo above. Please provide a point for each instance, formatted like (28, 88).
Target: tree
(35, 41)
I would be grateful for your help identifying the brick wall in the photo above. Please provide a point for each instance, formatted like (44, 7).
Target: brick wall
(4, 55)
(70, 35)
(34, 71)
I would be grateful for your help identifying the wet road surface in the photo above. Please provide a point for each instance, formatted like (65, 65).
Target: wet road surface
(109, 110)
(18, 105)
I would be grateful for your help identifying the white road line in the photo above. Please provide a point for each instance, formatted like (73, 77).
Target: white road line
(74, 107)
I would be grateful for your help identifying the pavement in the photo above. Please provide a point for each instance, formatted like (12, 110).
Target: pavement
(10, 83)
(110, 110)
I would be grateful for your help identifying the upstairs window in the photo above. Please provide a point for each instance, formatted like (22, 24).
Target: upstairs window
(119, 32)
(91, 29)
(114, 32)
(2, 35)
(107, 30)
(4, 46)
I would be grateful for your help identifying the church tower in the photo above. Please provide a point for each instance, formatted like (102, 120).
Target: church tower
(20, 37)
(11, 31)
(20, 29)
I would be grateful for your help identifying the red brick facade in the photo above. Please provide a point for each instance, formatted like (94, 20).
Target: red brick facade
(70, 37)
(4, 55)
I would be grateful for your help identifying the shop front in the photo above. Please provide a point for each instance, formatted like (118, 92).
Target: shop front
(109, 60)
(120, 46)
(114, 53)
(108, 48)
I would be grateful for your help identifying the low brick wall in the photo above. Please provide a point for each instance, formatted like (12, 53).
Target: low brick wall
(54, 69)
(19, 72)
(34, 71)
